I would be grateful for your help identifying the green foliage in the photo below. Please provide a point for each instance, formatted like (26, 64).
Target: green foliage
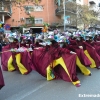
(32, 20)
(79, 14)
(46, 24)
(20, 30)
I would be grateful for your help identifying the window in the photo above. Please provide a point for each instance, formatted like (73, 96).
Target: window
(28, 21)
(33, 8)
(38, 8)
(38, 21)
(29, 8)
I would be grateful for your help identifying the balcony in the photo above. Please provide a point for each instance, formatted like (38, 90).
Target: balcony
(5, 8)
(60, 11)
(5, 11)
(56, 1)
(70, 8)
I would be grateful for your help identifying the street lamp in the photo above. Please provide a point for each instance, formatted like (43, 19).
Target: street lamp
(64, 3)
(64, 13)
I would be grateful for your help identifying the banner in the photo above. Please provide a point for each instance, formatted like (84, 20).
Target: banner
(67, 20)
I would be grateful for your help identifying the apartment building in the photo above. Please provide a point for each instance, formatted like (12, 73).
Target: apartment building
(19, 13)
(5, 10)
(48, 11)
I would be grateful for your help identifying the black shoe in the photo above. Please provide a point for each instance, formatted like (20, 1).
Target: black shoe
(98, 67)
(90, 74)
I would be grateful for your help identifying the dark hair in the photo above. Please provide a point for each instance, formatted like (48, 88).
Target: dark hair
(15, 40)
(53, 42)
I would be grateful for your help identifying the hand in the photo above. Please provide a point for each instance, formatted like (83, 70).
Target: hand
(72, 52)
(81, 47)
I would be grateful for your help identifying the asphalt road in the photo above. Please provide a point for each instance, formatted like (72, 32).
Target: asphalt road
(35, 87)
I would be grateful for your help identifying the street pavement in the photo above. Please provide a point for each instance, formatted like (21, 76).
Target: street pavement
(35, 87)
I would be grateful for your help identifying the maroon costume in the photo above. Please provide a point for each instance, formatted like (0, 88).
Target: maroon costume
(43, 57)
(1, 79)
(92, 52)
(6, 55)
(74, 46)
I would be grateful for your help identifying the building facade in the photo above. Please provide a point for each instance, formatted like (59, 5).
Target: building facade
(20, 13)
(5, 10)
(48, 11)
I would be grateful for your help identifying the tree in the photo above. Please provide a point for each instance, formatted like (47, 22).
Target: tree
(79, 14)
(32, 20)
(85, 15)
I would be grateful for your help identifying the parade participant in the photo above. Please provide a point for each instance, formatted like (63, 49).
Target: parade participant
(0, 44)
(96, 44)
(5, 40)
(28, 43)
(1, 79)
(45, 28)
(32, 37)
(79, 43)
(38, 43)
(92, 51)
(1, 27)
(78, 51)
(14, 59)
(56, 56)
(0, 48)
(82, 67)
(93, 65)
(23, 42)
(76, 46)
